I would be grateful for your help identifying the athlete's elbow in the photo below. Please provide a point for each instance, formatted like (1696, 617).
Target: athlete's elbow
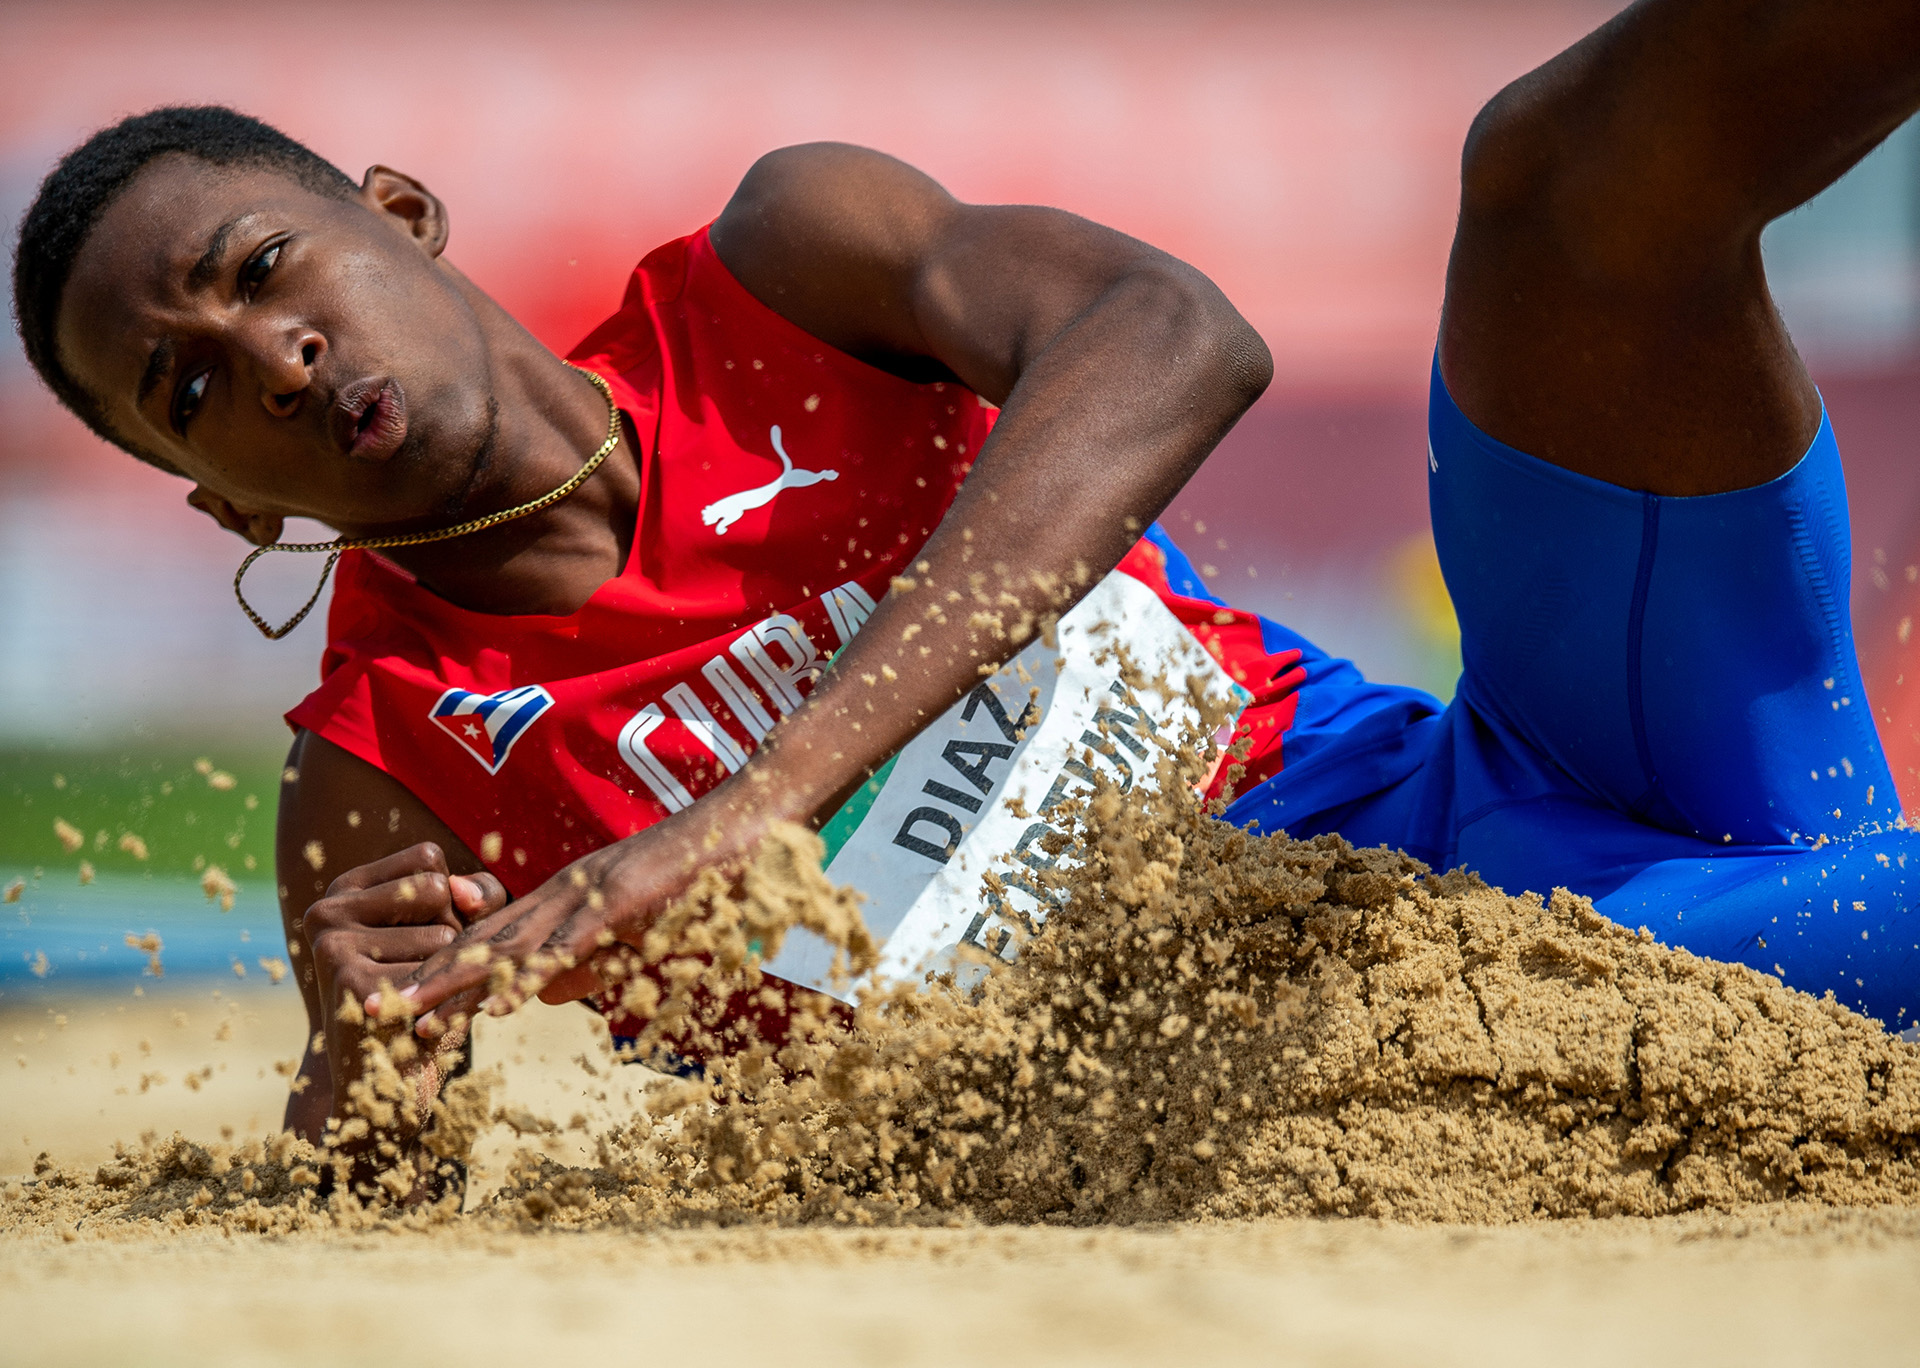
(1201, 342)
(1246, 363)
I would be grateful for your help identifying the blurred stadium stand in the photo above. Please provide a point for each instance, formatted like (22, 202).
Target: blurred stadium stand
(1304, 155)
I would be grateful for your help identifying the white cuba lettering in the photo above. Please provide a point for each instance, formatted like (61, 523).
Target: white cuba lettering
(736, 695)
(781, 679)
(778, 654)
(653, 771)
(848, 608)
(705, 727)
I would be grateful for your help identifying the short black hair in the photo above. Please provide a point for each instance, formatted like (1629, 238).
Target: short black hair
(88, 179)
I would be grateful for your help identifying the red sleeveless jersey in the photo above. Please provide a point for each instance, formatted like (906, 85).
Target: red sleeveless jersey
(782, 485)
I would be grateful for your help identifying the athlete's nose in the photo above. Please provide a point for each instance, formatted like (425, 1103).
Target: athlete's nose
(287, 369)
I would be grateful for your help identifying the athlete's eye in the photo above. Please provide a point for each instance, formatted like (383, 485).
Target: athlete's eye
(254, 273)
(187, 401)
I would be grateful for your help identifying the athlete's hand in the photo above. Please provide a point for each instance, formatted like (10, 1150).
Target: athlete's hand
(552, 935)
(378, 923)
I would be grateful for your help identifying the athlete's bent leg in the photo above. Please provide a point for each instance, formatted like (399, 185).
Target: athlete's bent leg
(1843, 919)
(1606, 306)
(1638, 500)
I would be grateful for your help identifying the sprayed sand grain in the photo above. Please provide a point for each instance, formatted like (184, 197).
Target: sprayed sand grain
(1212, 1025)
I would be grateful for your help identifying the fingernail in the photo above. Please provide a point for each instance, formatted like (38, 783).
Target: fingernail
(494, 1006)
(428, 1026)
(372, 1004)
(411, 991)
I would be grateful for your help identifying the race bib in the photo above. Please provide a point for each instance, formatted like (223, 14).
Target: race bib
(918, 840)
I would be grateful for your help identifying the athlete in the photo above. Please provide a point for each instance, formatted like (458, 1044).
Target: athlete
(1638, 505)
(1636, 498)
(852, 416)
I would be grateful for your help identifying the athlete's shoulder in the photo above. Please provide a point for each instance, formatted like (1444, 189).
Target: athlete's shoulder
(835, 239)
(810, 185)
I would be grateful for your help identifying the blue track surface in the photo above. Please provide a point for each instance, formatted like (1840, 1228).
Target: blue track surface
(82, 932)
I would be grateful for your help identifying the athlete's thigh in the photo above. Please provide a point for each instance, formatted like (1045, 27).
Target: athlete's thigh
(1606, 307)
(1687, 662)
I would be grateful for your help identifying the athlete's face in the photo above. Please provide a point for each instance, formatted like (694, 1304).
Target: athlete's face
(291, 353)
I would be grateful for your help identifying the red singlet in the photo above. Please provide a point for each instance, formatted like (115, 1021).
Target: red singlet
(782, 485)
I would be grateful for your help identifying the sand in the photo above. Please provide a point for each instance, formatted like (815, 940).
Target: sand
(1776, 1284)
(1243, 1098)
(1216, 1025)
(1285, 1292)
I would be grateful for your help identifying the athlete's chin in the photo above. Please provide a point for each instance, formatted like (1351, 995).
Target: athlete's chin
(470, 472)
(434, 471)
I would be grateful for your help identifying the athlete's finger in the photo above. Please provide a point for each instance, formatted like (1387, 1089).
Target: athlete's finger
(455, 960)
(364, 956)
(532, 947)
(410, 900)
(563, 958)
(409, 945)
(579, 938)
(571, 985)
(444, 975)
(477, 895)
(454, 971)
(564, 949)
(423, 858)
(462, 1006)
(479, 995)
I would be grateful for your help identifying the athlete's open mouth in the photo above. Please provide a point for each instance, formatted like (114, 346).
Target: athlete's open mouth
(370, 418)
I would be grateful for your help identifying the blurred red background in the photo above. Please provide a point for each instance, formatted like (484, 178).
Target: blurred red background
(1304, 155)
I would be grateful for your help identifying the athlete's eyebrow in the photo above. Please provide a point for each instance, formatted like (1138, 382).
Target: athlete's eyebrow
(199, 276)
(158, 364)
(203, 271)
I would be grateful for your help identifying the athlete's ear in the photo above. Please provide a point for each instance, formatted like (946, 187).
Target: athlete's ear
(262, 529)
(418, 209)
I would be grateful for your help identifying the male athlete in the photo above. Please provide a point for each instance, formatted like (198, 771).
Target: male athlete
(800, 406)
(1636, 498)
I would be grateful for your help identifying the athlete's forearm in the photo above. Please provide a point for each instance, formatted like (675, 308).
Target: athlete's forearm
(1102, 428)
(336, 814)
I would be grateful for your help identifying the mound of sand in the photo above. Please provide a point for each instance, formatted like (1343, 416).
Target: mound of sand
(1216, 1024)
(1211, 1025)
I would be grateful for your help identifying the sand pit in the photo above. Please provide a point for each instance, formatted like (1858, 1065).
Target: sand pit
(1778, 1284)
(1242, 1097)
(1809, 1287)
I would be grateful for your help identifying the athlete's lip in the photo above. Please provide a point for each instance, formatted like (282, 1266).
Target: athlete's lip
(369, 418)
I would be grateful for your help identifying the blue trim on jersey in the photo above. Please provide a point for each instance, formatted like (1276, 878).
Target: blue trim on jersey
(1350, 737)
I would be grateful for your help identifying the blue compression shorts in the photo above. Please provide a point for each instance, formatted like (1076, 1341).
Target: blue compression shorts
(1660, 709)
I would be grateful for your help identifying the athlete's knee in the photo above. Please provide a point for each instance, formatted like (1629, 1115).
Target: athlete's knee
(1509, 161)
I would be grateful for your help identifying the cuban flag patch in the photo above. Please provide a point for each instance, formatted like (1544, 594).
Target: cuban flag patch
(488, 724)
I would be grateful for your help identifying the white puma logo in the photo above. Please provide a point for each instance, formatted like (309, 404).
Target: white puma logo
(726, 512)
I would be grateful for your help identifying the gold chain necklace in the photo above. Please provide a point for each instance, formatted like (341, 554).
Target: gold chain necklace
(339, 544)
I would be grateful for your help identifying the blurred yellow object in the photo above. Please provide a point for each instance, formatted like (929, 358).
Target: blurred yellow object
(1420, 594)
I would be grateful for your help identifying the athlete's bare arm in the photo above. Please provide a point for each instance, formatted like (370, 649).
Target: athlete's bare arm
(347, 922)
(1117, 368)
(1606, 308)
